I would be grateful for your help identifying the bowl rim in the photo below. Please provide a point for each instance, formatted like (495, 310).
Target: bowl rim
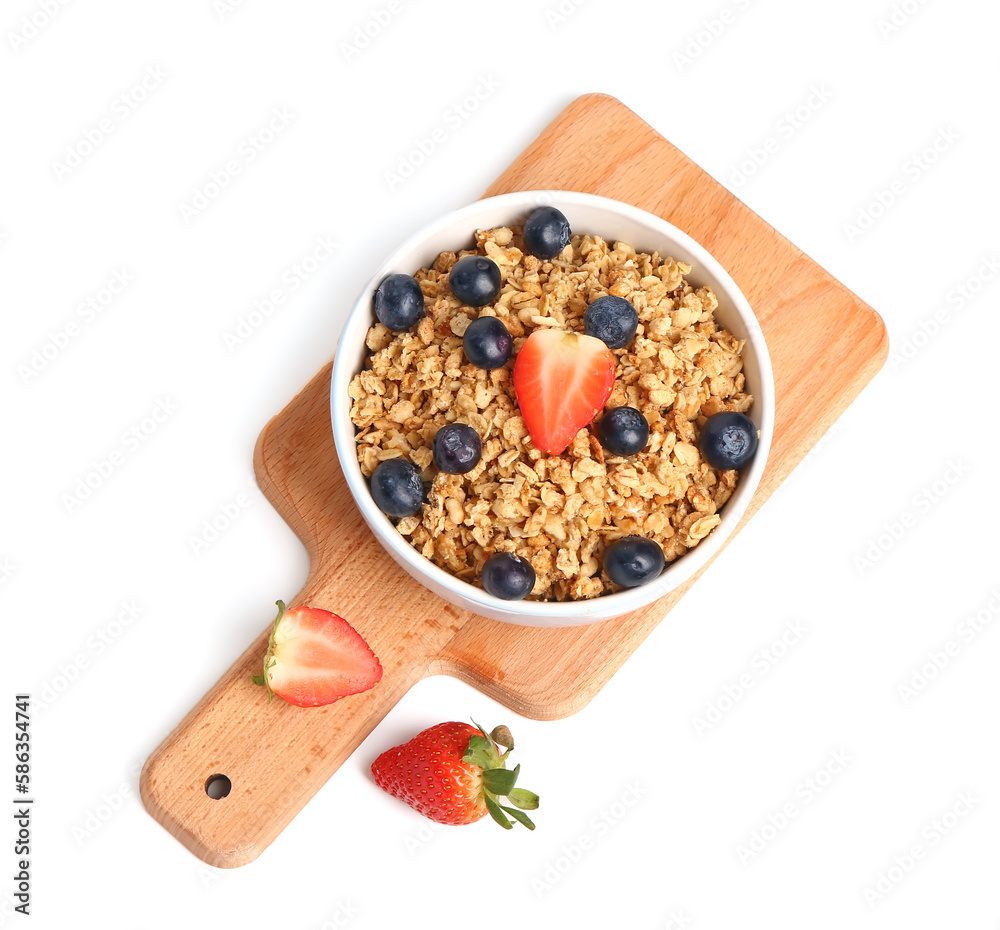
(472, 597)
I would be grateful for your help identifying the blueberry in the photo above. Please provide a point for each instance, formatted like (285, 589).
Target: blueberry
(612, 319)
(728, 440)
(396, 488)
(475, 280)
(457, 449)
(399, 302)
(633, 560)
(487, 343)
(546, 232)
(623, 431)
(508, 576)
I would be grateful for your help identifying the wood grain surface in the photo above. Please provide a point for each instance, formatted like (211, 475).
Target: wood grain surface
(278, 756)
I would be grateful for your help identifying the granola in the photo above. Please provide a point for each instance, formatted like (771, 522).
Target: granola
(557, 511)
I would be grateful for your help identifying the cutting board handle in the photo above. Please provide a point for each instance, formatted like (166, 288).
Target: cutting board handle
(237, 769)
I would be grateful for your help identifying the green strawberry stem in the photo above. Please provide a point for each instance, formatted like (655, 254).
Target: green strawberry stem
(502, 736)
(496, 812)
(519, 816)
(498, 780)
(262, 679)
(522, 799)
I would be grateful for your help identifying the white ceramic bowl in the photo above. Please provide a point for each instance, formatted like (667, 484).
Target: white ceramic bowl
(612, 221)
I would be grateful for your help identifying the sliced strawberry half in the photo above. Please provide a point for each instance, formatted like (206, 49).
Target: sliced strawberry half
(561, 381)
(315, 657)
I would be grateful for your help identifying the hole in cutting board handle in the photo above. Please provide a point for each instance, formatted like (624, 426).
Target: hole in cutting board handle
(218, 786)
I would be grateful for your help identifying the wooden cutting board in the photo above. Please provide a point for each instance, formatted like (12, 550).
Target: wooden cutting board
(277, 756)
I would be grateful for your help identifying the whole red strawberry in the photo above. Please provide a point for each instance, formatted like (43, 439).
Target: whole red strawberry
(454, 773)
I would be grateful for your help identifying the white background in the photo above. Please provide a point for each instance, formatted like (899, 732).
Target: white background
(877, 549)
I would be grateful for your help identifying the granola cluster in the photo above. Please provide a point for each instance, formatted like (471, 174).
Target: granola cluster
(557, 511)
